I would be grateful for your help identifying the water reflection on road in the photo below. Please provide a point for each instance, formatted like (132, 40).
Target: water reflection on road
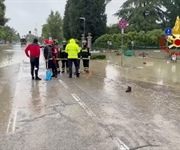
(153, 71)
(11, 56)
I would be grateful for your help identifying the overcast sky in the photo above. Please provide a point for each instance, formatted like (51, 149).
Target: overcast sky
(25, 15)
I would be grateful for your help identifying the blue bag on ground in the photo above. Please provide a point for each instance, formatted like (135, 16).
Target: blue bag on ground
(48, 75)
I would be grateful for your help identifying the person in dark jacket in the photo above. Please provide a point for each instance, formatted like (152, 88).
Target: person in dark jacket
(55, 48)
(64, 58)
(79, 59)
(58, 60)
(34, 55)
(48, 56)
(85, 54)
(79, 56)
(54, 65)
(46, 42)
(51, 56)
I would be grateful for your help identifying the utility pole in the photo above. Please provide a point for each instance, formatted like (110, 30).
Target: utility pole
(122, 25)
(83, 18)
(122, 40)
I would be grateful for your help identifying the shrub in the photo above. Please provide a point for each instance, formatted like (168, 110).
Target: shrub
(141, 40)
(98, 56)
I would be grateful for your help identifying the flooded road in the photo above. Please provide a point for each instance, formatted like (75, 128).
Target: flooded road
(93, 112)
(152, 69)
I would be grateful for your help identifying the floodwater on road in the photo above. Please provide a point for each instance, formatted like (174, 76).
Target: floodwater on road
(92, 112)
(10, 56)
(152, 70)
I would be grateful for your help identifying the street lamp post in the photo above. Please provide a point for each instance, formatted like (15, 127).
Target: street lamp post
(83, 18)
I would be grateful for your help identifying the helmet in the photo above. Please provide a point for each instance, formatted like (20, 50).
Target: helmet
(51, 42)
(46, 41)
(85, 44)
(56, 42)
(64, 42)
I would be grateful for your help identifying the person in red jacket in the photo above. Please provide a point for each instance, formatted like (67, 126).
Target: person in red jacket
(33, 52)
(54, 66)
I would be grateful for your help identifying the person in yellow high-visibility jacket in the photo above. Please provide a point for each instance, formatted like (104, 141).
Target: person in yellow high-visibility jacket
(72, 49)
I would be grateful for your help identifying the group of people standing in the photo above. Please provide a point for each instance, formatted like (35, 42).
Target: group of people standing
(69, 53)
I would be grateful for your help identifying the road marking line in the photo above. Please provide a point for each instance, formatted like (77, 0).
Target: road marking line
(9, 123)
(20, 72)
(63, 84)
(15, 94)
(176, 96)
(83, 105)
(18, 79)
(121, 145)
(14, 122)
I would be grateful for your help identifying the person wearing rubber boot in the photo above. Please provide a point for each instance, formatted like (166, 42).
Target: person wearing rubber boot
(46, 43)
(72, 49)
(79, 56)
(57, 58)
(50, 58)
(85, 53)
(79, 59)
(64, 58)
(34, 55)
(54, 65)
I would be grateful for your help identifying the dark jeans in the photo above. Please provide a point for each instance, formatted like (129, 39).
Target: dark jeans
(46, 65)
(65, 64)
(86, 64)
(54, 69)
(57, 65)
(70, 62)
(79, 64)
(34, 66)
(52, 65)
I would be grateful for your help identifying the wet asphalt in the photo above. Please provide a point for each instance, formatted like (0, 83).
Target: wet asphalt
(92, 112)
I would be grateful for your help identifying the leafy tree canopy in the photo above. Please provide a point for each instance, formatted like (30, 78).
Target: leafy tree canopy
(3, 20)
(143, 14)
(95, 18)
(9, 34)
(53, 26)
(148, 15)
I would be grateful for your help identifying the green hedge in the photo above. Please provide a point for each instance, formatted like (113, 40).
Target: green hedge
(98, 56)
(142, 40)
